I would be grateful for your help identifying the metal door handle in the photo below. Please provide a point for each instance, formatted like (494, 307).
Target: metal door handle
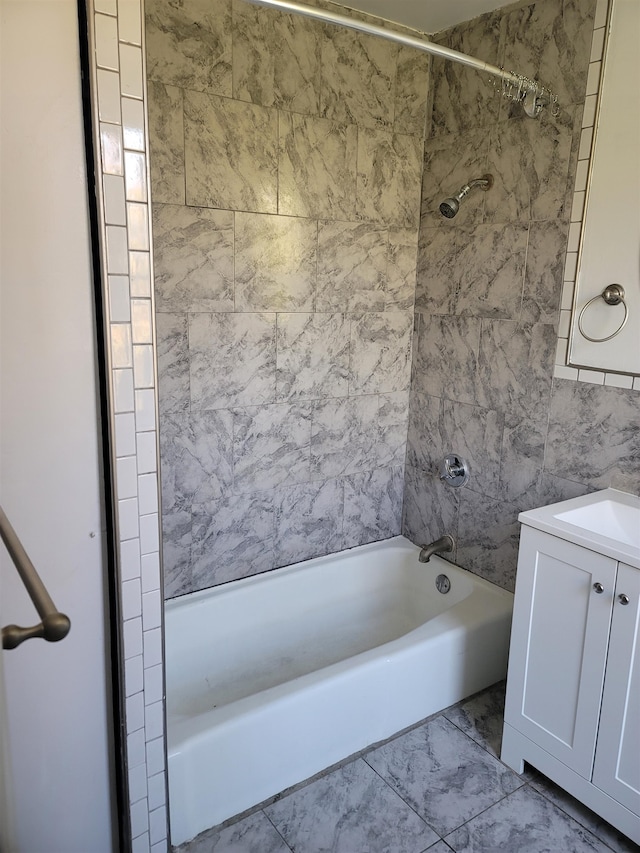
(598, 588)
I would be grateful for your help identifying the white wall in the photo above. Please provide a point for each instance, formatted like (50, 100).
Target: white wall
(56, 722)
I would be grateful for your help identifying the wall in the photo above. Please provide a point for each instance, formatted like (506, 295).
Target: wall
(285, 172)
(54, 704)
(488, 300)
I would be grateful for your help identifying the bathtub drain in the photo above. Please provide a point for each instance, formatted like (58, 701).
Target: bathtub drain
(443, 584)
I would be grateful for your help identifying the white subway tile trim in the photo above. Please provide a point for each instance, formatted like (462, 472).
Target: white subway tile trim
(111, 149)
(616, 380)
(136, 749)
(132, 634)
(119, 92)
(137, 783)
(118, 43)
(107, 42)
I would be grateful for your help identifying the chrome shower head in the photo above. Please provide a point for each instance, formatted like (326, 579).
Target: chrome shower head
(450, 206)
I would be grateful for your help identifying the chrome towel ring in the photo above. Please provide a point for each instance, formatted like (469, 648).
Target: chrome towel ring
(613, 294)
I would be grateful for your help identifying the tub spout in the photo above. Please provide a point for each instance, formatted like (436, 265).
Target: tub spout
(440, 546)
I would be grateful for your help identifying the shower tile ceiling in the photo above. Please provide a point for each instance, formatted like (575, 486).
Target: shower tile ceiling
(428, 16)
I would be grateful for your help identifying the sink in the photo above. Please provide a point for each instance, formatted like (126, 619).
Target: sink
(607, 521)
(608, 518)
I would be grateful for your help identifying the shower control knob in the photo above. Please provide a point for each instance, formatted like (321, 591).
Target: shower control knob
(454, 470)
(598, 588)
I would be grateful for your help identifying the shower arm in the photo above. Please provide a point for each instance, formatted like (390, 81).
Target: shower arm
(484, 183)
(517, 87)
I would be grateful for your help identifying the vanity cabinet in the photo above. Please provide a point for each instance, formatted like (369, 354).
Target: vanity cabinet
(573, 691)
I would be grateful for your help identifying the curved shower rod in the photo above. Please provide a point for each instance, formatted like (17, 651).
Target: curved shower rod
(517, 87)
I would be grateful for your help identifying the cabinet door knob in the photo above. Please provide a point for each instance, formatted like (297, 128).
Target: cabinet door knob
(598, 588)
(623, 599)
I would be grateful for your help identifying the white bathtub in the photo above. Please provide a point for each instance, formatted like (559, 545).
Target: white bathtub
(273, 678)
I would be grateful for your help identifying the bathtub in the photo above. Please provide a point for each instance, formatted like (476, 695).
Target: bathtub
(273, 678)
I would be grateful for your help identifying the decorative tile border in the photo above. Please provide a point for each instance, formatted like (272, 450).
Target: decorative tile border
(122, 177)
(562, 370)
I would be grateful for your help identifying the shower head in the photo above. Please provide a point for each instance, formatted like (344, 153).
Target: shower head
(450, 206)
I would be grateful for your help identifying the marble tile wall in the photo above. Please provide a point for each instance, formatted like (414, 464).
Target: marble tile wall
(286, 163)
(488, 299)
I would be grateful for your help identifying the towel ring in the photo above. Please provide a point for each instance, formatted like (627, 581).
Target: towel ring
(613, 294)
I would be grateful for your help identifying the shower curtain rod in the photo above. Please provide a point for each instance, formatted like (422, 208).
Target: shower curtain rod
(517, 87)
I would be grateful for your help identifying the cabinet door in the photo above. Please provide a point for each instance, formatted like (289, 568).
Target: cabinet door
(617, 766)
(559, 646)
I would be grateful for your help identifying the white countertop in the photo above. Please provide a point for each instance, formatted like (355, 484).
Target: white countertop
(607, 522)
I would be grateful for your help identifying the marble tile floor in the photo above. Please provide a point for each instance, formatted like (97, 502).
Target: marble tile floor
(437, 787)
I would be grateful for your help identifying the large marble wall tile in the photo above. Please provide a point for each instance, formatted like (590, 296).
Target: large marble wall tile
(308, 521)
(450, 162)
(392, 420)
(594, 435)
(412, 89)
(166, 143)
(230, 154)
(275, 263)
(189, 44)
(380, 352)
(553, 489)
(426, 439)
(316, 167)
(552, 43)
(515, 366)
(372, 506)
(389, 174)
(193, 258)
(276, 59)
(438, 274)
(530, 162)
(312, 360)
(197, 458)
(172, 343)
(430, 507)
(176, 552)
(400, 286)
(352, 266)
(358, 77)
(544, 271)
(463, 98)
(447, 358)
(522, 457)
(344, 436)
(475, 434)
(232, 360)
(271, 446)
(233, 538)
(489, 270)
(488, 537)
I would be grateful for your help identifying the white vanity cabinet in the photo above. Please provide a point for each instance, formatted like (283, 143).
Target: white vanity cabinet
(573, 691)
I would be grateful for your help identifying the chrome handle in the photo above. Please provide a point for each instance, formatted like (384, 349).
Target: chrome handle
(623, 599)
(598, 588)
